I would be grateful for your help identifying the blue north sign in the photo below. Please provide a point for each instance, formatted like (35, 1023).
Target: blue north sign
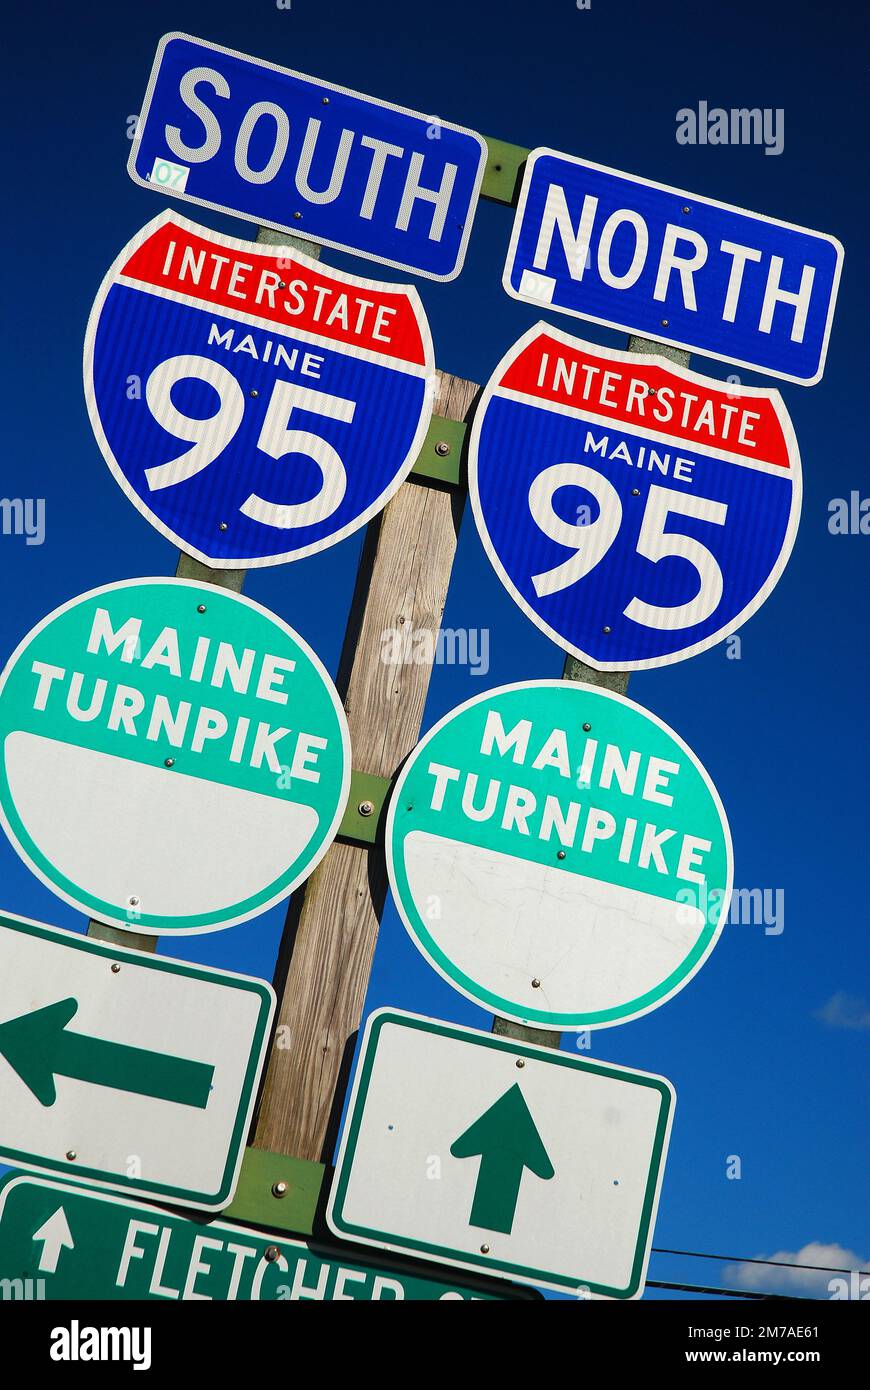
(629, 253)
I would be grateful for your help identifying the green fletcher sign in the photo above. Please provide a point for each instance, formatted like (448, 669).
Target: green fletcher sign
(62, 1242)
(559, 855)
(175, 758)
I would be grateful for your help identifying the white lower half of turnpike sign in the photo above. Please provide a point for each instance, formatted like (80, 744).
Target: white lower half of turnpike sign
(480, 1151)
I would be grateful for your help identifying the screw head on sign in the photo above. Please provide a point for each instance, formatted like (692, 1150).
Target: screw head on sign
(281, 285)
(71, 1155)
(665, 323)
(520, 1063)
(606, 631)
(222, 526)
(536, 984)
(442, 448)
(169, 762)
(253, 395)
(132, 901)
(560, 854)
(325, 101)
(116, 969)
(587, 728)
(687, 209)
(272, 1253)
(635, 492)
(484, 1249)
(366, 808)
(200, 608)
(297, 215)
(279, 1189)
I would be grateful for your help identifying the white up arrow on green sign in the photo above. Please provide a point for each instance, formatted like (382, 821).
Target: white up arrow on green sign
(476, 1150)
(175, 758)
(559, 855)
(131, 1071)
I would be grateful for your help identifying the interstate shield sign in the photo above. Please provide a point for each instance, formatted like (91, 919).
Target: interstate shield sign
(636, 511)
(253, 404)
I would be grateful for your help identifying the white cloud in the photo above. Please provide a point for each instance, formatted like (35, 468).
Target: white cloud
(807, 1283)
(845, 1011)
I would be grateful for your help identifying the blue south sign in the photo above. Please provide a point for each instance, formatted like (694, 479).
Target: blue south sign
(255, 405)
(629, 253)
(288, 151)
(636, 511)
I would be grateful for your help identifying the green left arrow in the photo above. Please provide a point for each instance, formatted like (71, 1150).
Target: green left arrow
(507, 1140)
(39, 1046)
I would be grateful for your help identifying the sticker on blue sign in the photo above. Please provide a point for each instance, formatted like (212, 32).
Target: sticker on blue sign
(246, 137)
(636, 511)
(629, 253)
(255, 405)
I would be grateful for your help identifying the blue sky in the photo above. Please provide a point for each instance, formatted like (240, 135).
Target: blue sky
(767, 1047)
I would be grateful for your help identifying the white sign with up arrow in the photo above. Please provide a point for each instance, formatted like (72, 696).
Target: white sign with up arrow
(477, 1150)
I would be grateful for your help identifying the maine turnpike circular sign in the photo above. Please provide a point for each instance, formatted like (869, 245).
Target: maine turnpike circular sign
(559, 855)
(254, 405)
(636, 511)
(175, 758)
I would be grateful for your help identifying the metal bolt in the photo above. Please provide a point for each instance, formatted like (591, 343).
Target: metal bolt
(520, 1063)
(484, 1249)
(635, 492)
(536, 984)
(222, 526)
(687, 209)
(253, 395)
(297, 215)
(281, 285)
(71, 1155)
(606, 631)
(325, 101)
(200, 608)
(272, 1253)
(442, 448)
(664, 323)
(169, 762)
(279, 1189)
(587, 728)
(116, 969)
(366, 808)
(560, 854)
(132, 901)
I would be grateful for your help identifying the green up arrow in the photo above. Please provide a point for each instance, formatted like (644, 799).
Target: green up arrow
(507, 1140)
(39, 1047)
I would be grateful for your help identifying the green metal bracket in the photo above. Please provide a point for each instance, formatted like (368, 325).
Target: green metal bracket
(277, 1192)
(501, 177)
(441, 455)
(360, 822)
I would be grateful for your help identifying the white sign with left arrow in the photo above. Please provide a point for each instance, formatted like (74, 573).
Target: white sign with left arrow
(130, 1071)
(482, 1151)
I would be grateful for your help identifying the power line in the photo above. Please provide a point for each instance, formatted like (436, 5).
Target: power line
(729, 1293)
(750, 1260)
